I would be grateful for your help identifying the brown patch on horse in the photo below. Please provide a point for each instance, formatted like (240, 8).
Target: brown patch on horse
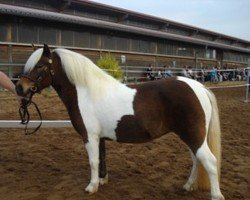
(102, 162)
(161, 107)
(130, 130)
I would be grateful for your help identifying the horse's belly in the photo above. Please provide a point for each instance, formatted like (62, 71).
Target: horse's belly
(129, 130)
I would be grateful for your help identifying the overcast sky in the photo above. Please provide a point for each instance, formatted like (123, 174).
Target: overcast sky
(230, 17)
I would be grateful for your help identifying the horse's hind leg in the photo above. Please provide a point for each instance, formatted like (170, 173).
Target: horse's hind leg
(102, 164)
(191, 183)
(208, 160)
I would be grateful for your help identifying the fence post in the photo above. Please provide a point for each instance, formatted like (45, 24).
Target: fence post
(247, 83)
(126, 73)
(10, 61)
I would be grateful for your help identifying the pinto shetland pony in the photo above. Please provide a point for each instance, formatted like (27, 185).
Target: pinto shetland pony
(102, 108)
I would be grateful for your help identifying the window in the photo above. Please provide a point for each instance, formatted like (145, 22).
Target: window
(178, 31)
(135, 44)
(200, 53)
(3, 32)
(144, 46)
(67, 38)
(27, 33)
(210, 54)
(94, 40)
(142, 24)
(236, 57)
(152, 47)
(170, 49)
(82, 39)
(122, 44)
(162, 47)
(14, 33)
(108, 42)
(47, 35)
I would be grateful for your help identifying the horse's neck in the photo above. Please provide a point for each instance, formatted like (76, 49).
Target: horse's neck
(99, 84)
(65, 90)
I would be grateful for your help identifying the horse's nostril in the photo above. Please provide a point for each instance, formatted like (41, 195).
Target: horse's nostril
(33, 89)
(19, 90)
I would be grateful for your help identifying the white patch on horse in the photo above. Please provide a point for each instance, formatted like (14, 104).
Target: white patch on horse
(102, 114)
(112, 107)
(209, 162)
(33, 59)
(190, 185)
(201, 93)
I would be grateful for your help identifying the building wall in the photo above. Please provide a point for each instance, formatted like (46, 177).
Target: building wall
(19, 32)
(23, 30)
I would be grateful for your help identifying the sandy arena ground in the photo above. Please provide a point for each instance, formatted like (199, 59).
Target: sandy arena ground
(53, 164)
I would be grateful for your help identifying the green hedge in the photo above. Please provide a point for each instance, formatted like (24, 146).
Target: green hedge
(111, 65)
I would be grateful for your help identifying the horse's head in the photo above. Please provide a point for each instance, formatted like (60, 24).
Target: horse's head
(38, 73)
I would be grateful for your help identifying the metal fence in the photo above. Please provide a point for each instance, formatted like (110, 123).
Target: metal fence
(141, 73)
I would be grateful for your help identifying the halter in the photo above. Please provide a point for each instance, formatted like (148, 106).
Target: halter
(23, 110)
(37, 82)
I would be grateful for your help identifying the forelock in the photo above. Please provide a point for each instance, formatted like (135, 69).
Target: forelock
(33, 59)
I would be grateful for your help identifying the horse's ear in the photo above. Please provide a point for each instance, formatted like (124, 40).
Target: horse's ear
(33, 47)
(46, 51)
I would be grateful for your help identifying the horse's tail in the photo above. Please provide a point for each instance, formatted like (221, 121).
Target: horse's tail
(214, 143)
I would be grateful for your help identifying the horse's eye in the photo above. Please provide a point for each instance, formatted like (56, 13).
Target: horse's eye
(40, 66)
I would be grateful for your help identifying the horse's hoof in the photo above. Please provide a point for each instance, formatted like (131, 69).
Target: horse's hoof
(92, 188)
(189, 187)
(104, 180)
(220, 197)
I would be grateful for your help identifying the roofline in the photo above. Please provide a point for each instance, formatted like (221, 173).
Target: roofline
(48, 15)
(157, 19)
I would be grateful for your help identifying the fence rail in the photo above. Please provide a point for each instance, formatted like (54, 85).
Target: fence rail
(35, 123)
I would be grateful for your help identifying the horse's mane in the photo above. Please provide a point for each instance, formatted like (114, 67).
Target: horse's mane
(82, 71)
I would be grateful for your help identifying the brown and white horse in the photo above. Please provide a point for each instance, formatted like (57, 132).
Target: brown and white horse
(101, 108)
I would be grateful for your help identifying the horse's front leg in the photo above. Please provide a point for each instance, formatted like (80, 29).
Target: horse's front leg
(92, 147)
(103, 175)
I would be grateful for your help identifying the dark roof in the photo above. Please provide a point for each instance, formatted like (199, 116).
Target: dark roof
(66, 18)
(154, 19)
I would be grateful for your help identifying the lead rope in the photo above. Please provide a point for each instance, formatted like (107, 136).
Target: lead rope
(25, 116)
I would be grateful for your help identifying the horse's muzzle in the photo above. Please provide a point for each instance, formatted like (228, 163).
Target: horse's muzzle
(25, 91)
(19, 90)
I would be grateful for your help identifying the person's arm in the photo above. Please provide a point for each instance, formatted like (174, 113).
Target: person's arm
(6, 83)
